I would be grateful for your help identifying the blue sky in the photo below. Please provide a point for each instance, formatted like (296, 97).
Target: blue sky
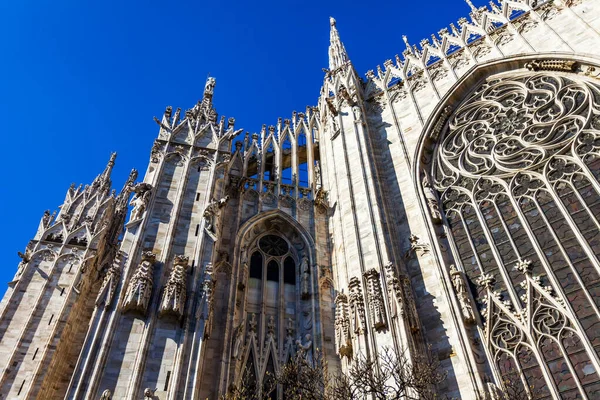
(81, 79)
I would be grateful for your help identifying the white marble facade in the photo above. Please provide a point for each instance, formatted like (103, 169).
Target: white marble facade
(445, 204)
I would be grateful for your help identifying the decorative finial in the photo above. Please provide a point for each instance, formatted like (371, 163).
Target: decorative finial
(405, 38)
(470, 4)
(332, 21)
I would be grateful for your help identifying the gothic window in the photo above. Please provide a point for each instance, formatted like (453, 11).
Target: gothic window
(273, 271)
(289, 271)
(273, 307)
(273, 245)
(517, 173)
(256, 266)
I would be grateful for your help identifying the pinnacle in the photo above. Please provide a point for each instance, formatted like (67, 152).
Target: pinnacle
(337, 52)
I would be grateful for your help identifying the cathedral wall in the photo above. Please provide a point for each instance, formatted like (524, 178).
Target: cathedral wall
(399, 128)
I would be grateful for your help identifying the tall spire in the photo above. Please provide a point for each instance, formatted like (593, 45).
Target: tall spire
(103, 179)
(337, 52)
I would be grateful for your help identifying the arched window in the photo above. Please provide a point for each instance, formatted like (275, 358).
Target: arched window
(256, 266)
(273, 271)
(516, 172)
(289, 271)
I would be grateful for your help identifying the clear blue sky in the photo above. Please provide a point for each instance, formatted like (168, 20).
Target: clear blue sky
(80, 79)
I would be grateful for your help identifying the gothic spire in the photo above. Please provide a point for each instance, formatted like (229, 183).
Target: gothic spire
(337, 52)
(103, 180)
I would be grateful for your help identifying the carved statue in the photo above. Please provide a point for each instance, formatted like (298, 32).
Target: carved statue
(461, 290)
(432, 201)
(343, 338)
(209, 289)
(24, 260)
(411, 306)
(317, 175)
(109, 285)
(149, 394)
(139, 290)
(238, 339)
(46, 219)
(305, 286)
(173, 299)
(375, 300)
(305, 350)
(209, 88)
(106, 395)
(140, 200)
(357, 306)
(211, 213)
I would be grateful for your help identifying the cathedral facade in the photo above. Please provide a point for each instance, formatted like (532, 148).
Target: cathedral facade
(448, 204)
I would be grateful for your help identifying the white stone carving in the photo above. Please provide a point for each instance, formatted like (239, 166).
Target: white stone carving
(375, 300)
(304, 351)
(140, 285)
(212, 212)
(343, 337)
(461, 290)
(109, 285)
(305, 285)
(174, 295)
(357, 306)
(140, 200)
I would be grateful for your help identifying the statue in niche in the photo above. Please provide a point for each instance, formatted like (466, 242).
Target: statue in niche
(140, 200)
(460, 288)
(139, 290)
(149, 394)
(305, 350)
(238, 340)
(174, 295)
(357, 114)
(109, 285)
(305, 286)
(211, 213)
(375, 300)
(432, 200)
(106, 395)
(343, 338)
(307, 321)
(317, 175)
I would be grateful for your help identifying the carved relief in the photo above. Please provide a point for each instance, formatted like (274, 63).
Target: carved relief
(417, 247)
(461, 290)
(140, 200)
(375, 300)
(343, 337)
(432, 200)
(109, 285)
(305, 286)
(139, 289)
(551, 65)
(394, 291)
(410, 305)
(174, 295)
(357, 307)
(212, 212)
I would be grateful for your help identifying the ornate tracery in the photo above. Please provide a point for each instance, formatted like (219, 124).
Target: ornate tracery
(517, 171)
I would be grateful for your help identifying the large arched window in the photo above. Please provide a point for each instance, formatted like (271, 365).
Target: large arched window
(517, 174)
(272, 306)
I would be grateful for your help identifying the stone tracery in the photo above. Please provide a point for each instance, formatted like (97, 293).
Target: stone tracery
(513, 170)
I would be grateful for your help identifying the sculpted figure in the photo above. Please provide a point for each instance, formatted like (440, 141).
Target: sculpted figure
(173, 299)
(305, 278)
(139, 290)
(432, 201)
(109, 286)
(211, 213)
(305, 350)
(140, 200)
(343, 340)
(24, 260)
(460, 287)
(106, 395)
(375, 299)
(318, 175)
(238, 339)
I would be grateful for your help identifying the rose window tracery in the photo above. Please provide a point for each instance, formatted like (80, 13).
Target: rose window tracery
(517, 171)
